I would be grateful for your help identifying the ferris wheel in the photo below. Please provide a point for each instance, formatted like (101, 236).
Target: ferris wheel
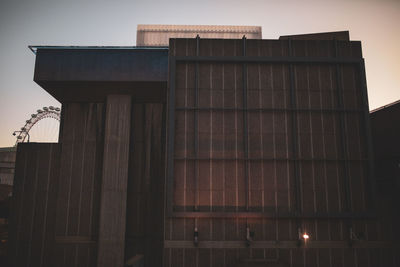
(47, 124)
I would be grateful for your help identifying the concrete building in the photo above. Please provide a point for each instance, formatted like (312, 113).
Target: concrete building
(385, 125)
(159, 35)
(385, 132)
(222, 152)
(7, 163)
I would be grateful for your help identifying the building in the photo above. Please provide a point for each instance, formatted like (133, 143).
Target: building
(208, 152)
(385, 138)
(7, 162)
(159, 35)
(385, 134)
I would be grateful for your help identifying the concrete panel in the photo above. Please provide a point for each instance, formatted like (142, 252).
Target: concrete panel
(111, 242)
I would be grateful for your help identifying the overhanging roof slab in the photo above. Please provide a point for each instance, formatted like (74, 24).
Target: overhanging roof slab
(89, 74)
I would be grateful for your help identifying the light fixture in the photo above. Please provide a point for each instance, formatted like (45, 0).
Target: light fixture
(196, 236)
(306, 236)
(303, 237)
(249, 236)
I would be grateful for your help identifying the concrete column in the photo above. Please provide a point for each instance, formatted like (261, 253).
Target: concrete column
(111, 243)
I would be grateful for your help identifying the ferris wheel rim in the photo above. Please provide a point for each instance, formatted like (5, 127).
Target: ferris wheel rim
(46, 112)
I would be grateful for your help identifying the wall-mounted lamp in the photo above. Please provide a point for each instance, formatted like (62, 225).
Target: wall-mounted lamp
(249, 236)
(353, 237)
(196, 236)
(306, 236)
(303, 237)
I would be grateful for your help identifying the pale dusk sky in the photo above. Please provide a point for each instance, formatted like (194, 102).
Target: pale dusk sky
(88, 22)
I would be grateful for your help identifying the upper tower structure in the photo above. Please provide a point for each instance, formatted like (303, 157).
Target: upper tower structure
(159, 35)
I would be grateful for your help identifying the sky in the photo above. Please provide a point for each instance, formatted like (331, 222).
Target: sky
(88, 22)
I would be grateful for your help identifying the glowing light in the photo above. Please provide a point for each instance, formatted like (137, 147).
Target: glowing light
(306, 236)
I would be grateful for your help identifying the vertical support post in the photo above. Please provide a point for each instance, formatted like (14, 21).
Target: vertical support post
(245, 128)
(294, 135)
(171, 137)
(340, 106)
(196, 128)
(339, 90)
(111, 243)
(293, 107)
(369, 143)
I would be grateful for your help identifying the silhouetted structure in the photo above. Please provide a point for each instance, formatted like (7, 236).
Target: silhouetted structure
(385, 133)
(7, 164)
(222, 152)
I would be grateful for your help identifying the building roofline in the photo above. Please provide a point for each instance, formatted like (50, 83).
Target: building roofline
(385, 106)
(198, 28)
(34, 48)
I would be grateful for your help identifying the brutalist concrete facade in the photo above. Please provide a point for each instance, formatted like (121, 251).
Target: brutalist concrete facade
(211, 152)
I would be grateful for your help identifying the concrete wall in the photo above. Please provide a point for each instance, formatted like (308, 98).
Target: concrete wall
(273, 148)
